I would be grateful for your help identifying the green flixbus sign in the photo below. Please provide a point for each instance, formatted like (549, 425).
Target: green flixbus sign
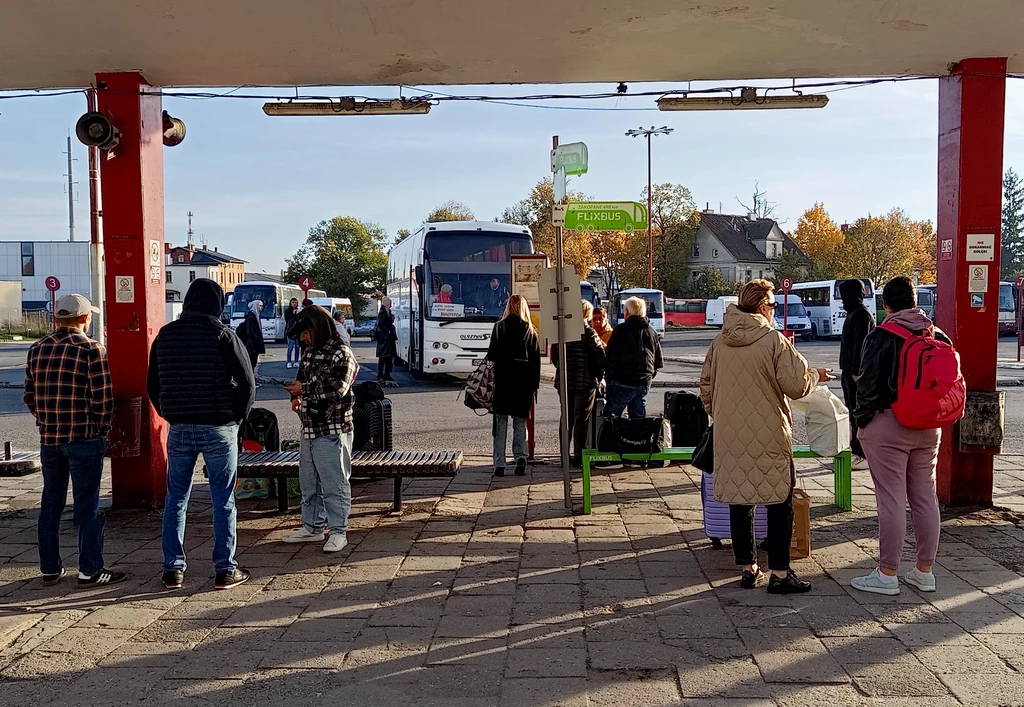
(605, 216)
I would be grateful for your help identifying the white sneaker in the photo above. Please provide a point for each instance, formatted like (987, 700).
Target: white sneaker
(859, 463)
(877, 583)
(303, 536)
(925, 581)
(336, 542)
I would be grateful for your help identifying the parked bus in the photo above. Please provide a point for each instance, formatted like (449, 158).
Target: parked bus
(335, 304)
(588, 293)
(1007, 308)
(275, 298)
(925, 301)
(655, 300)
(825, 306)
(685, 312)
(441, 281)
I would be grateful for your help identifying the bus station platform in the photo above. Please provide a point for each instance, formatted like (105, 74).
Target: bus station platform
(484, 592)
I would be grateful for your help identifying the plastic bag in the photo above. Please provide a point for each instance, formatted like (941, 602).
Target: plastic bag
(828, 421)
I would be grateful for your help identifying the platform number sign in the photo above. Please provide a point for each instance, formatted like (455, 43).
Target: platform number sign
(305, 283)
(787, 285)
(52, 284)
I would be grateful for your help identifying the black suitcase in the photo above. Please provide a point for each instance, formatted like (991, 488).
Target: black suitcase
(596, 423)
(372, 426)
(685, 413)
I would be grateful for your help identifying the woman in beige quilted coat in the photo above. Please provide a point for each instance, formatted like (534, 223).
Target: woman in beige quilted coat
(749, 371)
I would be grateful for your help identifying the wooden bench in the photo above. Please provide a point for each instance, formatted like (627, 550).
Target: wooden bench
(284, 465)
(841, 468)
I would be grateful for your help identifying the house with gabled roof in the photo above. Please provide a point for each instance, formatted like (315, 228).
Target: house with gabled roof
(741, 248)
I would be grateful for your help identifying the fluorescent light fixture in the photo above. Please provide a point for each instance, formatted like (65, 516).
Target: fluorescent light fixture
(746, 100)
(348, 106)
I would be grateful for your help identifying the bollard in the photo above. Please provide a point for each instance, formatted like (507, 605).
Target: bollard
(8, 451)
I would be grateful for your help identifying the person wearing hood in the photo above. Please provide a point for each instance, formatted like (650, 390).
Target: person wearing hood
(250, 332)
(200, 381)
(902, 461)
(860, 321)
(632, 360)
(386, 337)
(749, 371)
(293, 342)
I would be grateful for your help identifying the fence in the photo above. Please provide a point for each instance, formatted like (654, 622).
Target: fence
(30, 324)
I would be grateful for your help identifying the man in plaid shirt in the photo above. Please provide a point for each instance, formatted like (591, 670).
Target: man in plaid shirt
(68, 390)
(322, 395)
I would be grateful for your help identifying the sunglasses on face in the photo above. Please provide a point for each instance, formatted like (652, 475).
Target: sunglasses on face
(772, 305)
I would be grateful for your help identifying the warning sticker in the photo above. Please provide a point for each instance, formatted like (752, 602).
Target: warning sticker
(981, 247)
(124, 288)
(977, 280)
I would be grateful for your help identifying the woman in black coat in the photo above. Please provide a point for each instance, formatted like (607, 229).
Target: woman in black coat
(516, 356)
(386, 337)
(250, 332)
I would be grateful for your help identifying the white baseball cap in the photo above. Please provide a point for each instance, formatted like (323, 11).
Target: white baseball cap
(70, 306)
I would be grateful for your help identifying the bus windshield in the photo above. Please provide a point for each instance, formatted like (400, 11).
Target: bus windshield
(655, 304)
(925, 298)
(1006, 303)
(244, 294)
(868, 292)
(469, 273)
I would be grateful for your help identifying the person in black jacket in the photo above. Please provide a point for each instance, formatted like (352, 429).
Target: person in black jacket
(584, 372)
(633, 359)
(200, 381)
(516, 356)
(250, 333)
(860, 322)
(293, 341)
(902, 461)
(386, 337)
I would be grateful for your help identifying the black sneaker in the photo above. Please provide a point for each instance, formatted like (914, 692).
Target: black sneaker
(520, 467)
(100, 579)
(790, 585)
(230, 580)
(499, 471)
(51, 579)
(173, 579)
(749, 579)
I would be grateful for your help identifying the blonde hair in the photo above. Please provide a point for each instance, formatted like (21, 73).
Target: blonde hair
(636, 307)
(386, 302)
(754, 294)
(588, 310)
(517, 307)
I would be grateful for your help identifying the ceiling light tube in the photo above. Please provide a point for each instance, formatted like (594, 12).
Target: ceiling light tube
(348, 106)
(747, 100)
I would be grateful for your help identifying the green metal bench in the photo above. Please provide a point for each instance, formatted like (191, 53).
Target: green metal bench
(841, 468)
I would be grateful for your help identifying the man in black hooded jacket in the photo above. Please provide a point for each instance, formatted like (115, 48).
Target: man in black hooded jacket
(201, 382)
(859, 323)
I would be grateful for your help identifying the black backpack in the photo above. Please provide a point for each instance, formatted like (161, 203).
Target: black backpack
(261, 427)
(686, 414)
(645, 435)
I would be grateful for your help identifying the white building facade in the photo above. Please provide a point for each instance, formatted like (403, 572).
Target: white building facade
(31, 262)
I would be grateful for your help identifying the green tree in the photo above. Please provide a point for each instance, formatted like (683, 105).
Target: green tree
(708, 283)
(879, 247)
(344, 256)
(790, 265)
(821, 240)
(402, 234)
(674, 223)
(1012, 256)
(451, 211)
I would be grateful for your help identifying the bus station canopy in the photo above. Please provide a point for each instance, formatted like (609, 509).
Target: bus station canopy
(64, 43)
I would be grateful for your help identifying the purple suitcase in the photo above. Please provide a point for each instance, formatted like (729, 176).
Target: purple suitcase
(716, 515)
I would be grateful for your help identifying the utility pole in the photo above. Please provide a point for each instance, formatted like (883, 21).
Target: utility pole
(647, 133)
(96, 234)
(190, 229)
(71, 191)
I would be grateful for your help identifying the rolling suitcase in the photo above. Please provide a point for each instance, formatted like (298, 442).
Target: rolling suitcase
(596, 423)
(716, 515)
(685, 412)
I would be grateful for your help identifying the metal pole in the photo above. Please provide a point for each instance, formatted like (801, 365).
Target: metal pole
(71, 194)
(650, 220)
(563, 397)
(1020, 305)
(96, 235)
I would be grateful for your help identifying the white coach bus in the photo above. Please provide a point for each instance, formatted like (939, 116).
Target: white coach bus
(824, 305)
(275, 298)
(449, 283)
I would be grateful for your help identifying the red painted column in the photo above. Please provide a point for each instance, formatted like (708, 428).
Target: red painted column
(971, 116)
(133, 225)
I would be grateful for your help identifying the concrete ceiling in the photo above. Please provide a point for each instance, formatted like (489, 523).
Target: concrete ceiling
(63, 43)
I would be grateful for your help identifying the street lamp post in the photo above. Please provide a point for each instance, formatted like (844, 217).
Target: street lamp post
(647, 133)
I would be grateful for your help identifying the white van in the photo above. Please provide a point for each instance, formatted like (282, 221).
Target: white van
(797, 319)
(716, 310)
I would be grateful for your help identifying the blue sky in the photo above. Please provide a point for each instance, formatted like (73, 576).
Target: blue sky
(256, 184)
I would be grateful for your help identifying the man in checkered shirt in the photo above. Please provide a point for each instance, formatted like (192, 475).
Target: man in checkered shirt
(68, 390)
(322, 395)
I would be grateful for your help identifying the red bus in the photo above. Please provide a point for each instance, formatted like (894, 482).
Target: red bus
(685, 312)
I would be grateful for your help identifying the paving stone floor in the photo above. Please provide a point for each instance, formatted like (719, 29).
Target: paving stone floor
(485, 592)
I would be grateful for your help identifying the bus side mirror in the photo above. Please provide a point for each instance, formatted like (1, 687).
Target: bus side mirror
(420, 275)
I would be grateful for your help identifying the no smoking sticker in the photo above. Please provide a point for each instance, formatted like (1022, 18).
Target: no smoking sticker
(978, 278)
(124, 288)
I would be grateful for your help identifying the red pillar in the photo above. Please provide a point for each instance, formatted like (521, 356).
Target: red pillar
(971, 113)
(133, 225)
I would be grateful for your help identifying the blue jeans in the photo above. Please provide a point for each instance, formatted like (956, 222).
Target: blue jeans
(219, 447)
(325, 467)
(80, 461)
(293, 348)
(520, 448)
(626, 397)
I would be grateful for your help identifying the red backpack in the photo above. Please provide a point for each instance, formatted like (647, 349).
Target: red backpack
(930, 389)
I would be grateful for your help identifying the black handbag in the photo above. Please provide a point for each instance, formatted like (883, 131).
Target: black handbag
(704, 452)
(645, 435)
